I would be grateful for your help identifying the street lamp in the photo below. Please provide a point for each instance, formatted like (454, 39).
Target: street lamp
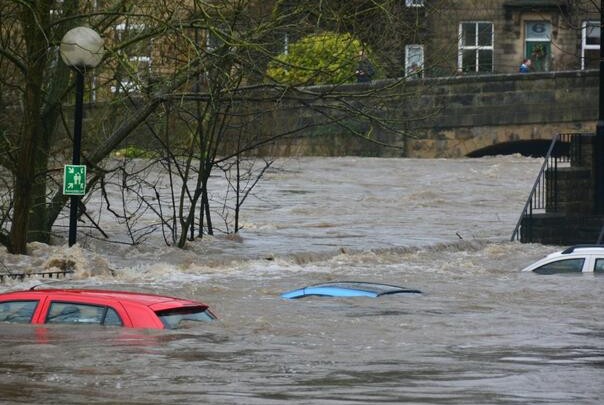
(81, 48)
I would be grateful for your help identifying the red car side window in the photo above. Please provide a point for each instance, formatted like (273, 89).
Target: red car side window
(70, 312)
(17, 311)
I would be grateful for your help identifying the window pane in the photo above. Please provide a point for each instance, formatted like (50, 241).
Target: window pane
(172, 318)
(485, 31)
(415, 55)
(127, 33)
(593, 35)
(414, 62)
(561, 266)
(112, 318)
(599, 267)
(592, 59)
(66, 312)
(17, 311)
(469, 61)
(485, 60)
(135, 66)
(538, 30)
(468, 34)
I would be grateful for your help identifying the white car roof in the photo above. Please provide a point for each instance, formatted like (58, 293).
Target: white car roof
(583, 249)
(570, 252)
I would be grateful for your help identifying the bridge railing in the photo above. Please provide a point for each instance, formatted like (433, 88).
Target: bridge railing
(6, 274)
(564, 149)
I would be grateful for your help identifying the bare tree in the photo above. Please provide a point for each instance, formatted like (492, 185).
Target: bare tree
(184, 78)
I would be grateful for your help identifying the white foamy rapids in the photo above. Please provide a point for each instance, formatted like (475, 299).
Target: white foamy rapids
(457, 258)
(310, 210)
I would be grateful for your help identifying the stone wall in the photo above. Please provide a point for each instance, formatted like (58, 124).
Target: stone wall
(438, 117)
(481, 111)
(453, 117)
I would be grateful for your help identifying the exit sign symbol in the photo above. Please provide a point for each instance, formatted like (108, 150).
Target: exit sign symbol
(74, 180)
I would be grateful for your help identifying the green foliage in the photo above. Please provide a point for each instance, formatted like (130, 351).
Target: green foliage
(323, 58)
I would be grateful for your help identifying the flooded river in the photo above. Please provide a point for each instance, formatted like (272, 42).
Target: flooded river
(482, 332)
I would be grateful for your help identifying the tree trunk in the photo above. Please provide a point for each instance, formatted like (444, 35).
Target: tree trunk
(36, 17)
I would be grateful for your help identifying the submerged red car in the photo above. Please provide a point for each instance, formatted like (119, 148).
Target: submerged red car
(100, 307)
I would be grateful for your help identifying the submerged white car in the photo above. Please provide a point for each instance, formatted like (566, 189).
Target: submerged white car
(575, 259)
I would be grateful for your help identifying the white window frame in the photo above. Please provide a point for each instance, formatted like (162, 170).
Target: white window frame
(126, 84)
(409, 60)
(475, 48)
(414, 3)
(584, 45)
(58, 11)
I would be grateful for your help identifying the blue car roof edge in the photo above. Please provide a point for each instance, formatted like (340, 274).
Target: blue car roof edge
(352, 292)
(355, 282)
(402, 291)
(292, 294)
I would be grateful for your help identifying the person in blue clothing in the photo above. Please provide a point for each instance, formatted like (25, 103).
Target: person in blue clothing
(525, 66)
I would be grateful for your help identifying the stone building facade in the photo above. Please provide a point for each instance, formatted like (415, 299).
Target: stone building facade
(494, 36)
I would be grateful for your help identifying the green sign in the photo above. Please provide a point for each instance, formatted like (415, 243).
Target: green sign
(74, 180)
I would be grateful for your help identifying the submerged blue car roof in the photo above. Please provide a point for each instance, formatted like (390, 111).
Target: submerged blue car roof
(348, 289)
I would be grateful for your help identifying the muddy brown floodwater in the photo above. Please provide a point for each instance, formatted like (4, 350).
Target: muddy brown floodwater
(482, 332)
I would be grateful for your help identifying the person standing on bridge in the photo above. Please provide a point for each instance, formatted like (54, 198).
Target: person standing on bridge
(365, 71)
(525, 66)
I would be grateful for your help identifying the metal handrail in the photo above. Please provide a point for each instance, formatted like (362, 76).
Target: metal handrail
(540, 193)
(599, 241)
(536, 186)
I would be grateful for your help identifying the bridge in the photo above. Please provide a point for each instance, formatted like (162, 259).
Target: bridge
(455, 117)
(450, 117)
(502, 114)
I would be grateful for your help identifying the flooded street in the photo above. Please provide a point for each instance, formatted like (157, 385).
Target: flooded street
(482, 332)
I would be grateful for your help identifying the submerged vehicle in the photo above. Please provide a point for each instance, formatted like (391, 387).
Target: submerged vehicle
(100, 307)
(574, 259)
(348, 289)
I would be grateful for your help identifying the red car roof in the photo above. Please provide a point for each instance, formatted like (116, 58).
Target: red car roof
(137, 310)
(150, 300)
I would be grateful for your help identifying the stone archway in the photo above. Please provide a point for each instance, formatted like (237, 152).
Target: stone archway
(530, 147)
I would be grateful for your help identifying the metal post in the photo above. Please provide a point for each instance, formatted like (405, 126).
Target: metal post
(77, 142)
(598, 153)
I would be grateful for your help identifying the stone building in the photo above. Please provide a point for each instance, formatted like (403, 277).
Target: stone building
(425, 38)
(431, 38)
(494, 36)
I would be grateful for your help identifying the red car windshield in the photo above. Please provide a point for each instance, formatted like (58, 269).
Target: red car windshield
(172, 318)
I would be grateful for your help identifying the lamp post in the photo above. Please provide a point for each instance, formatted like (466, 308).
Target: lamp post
(81, 48)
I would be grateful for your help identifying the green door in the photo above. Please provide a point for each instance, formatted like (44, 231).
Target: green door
(539, 52)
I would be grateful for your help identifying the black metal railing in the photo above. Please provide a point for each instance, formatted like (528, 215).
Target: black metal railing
(544, 196)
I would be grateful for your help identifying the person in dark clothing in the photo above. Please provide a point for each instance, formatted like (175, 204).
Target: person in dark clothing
(364, 72)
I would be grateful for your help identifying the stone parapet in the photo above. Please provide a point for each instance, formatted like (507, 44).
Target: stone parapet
(449, 117)
(560, 229)
(572, 192)
(433, 117)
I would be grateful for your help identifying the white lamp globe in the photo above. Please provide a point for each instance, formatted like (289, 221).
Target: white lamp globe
(82, 47)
